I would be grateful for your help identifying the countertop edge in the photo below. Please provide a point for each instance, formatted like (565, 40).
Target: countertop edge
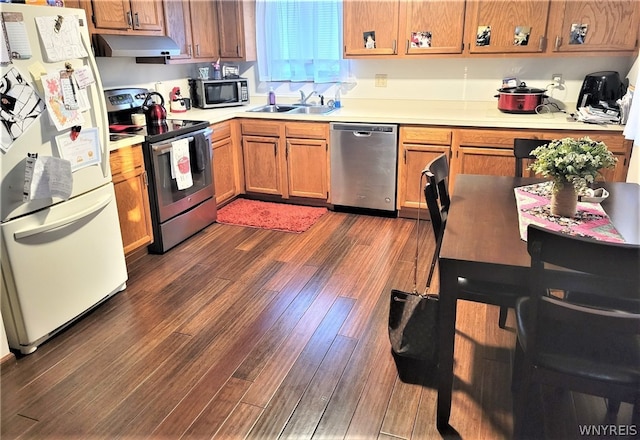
(454, 114)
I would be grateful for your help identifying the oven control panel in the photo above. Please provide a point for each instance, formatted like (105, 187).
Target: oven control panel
(125, 99)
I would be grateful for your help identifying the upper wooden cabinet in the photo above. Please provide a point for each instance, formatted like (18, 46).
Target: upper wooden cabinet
(208, 30)
(489, 27)
(496, 26)
(403, 28)
(431, 27)
(126, 16)
(594, 26)
(370, 28)
(204, 23)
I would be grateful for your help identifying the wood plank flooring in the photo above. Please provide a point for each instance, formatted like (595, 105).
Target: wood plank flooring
(246, 333)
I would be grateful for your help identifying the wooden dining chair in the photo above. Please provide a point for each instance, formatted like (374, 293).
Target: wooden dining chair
(522, 149)
(591, 349)
(438, 202)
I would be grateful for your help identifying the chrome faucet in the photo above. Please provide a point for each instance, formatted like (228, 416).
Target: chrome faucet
(304, 98)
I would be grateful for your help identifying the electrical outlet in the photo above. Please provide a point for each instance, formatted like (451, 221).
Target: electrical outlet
(381, 80)
(557, 78)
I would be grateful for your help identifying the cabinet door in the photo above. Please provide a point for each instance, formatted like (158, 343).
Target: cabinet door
(377, 20)
(112, 14)
(132, 198)
(230, 29)
(223, 170)
(307, 168)
(595, 26)
(431, 27)
(262, 172)
(178, 26)
(496, 26)
(147, 15)
(412, 161)
(204, 19)
(490, 161)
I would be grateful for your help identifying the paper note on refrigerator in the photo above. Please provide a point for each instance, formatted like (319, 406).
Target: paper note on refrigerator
(21, 106)
(19, 45)
(62, 116)
(82, 152)
(47, 177)
(5, 58)
(60, 37)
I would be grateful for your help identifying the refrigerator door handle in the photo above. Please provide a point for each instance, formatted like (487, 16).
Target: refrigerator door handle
(62, 222)
(103, 104)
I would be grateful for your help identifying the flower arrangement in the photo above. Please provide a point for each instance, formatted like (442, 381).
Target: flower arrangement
(570, 160)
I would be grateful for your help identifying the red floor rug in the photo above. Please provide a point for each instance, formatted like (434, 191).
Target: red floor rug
(267, 215)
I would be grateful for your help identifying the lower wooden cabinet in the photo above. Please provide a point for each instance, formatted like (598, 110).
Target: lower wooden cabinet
(490, 151)
(225, 175)
(418, 147)
(286, 159)
(130, 183)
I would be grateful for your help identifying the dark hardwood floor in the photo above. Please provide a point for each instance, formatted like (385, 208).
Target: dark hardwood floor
(247, 333)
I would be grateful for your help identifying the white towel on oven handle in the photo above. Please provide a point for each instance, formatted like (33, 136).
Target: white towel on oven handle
(181, 163)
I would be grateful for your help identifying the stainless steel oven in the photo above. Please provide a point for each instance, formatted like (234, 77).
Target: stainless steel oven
(179, 213)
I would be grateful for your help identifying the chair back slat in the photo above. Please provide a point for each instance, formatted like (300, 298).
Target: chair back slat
(436, 193)
(522, 149)
(608, 272)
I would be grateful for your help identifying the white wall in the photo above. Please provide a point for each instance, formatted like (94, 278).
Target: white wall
(456, 79)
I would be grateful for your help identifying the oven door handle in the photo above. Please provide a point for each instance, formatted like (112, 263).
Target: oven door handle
(161, 148)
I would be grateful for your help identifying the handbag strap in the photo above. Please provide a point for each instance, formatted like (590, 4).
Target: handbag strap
(415, 261)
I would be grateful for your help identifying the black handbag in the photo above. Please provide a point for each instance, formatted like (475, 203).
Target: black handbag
(413, 323)
(413, 317)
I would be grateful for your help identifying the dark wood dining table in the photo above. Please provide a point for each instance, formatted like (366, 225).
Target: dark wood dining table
(482, 241)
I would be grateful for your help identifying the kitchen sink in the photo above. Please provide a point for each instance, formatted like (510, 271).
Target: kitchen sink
(294, 109)
(313, 109)
(274, 108)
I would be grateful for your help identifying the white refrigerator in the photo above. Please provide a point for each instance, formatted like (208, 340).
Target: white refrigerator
(62, 251)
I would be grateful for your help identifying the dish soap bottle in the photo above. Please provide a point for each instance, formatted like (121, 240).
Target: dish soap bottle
(272, 96)
(336, 101)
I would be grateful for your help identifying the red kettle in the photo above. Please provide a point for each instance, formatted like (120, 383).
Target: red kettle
(155, 114)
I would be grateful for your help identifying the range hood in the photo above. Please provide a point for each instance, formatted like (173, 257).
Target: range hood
(136, 46)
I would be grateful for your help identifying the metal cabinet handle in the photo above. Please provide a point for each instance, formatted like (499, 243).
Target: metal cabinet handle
(137, 20)
(395, 47)
(129, 21)
(197, 50)
(407, 48)
(189, 50)
(558, 42)
(542, 43)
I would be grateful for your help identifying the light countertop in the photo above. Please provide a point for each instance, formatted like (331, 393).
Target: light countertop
(414, 112)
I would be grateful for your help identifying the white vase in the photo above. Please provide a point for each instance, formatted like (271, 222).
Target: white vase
(564, 200)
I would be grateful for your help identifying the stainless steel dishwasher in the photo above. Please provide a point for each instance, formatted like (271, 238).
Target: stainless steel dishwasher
(363, 165)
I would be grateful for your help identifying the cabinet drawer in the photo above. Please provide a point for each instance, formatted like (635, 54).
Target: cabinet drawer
(493, 138)
(425, 135)
(306, 130)
(221, 131)
(260, 128)
(126, 159)
(613, 141)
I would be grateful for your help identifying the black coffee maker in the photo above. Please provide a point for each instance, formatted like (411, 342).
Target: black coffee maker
(601, 90)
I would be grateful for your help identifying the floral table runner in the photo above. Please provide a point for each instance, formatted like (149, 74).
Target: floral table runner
(534, 207)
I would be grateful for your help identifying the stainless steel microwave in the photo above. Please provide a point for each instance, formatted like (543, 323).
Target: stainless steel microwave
(213, 93)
